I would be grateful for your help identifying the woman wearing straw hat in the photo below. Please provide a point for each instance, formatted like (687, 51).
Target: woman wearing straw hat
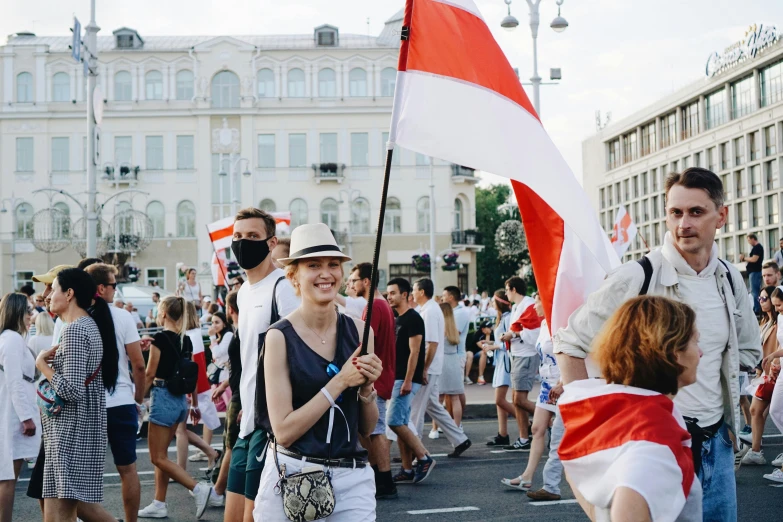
(323, 387)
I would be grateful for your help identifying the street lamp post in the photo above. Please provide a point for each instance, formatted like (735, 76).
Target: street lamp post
(559, 24)
(234, 160)
(91, 44)
(12, 202)
(350, 199)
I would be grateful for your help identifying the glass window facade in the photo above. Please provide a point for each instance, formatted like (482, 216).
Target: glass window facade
(742, 97)
(771, 80)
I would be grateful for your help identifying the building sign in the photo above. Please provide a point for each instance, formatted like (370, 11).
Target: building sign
(757, 38)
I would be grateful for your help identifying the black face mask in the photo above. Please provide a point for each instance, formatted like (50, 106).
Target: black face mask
(250, 253)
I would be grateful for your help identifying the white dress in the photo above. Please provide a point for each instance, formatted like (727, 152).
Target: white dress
(18, 403)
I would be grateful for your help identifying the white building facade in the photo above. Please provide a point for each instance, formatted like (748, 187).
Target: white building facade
(730, 122)
(308, 118)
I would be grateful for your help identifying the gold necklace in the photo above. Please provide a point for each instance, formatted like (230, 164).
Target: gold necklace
(323, 341)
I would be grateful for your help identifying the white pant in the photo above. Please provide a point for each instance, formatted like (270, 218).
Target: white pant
(354, 492)
(553, 469)
(426, 400)
(776, 404)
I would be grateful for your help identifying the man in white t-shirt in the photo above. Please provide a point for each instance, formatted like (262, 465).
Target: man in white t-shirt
(254, 239)
(426, 400)
(123, 405)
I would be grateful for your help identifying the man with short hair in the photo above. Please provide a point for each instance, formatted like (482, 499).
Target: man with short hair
(383, 330)
(779, 255)
(427, 399)
(254, 239)
(124, 404)
(283, 249)
(754, 260)
(134, 314)
(119, 303)
(408, 380)
(687, 269)
(770, 273)
(524, 357)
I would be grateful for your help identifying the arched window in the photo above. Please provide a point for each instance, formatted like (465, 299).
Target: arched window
(185, 85)
(392, 221)
(61, 224)
(124, 219)
(225, 90)
(61, 87)
(423, 215)
(24, 221)
(329, 213)
(298, 213)
(360, 216)
(296, 83)
(327, 83)
(388, 79)
(267, 205)
(266, 83)
(24, 88)
(357, 79)
(157, 216)
(153, 81)
(186, 219)
(457, 214)
(122, 86)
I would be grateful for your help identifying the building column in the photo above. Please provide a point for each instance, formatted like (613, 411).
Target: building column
(372, 81)
(8, 76)
(134, 83)
(278, 81)
(40, 76)
(639, 142)
(49, 93)
(308, 72)
(314, 81)
(622, 151)
(729, 108)
(346, 80)
(338, 73)
(72, 74)
(658, 135)
(702, 113)
(102, 80)
(165, 73)
(141, 91)
(679, 125)
(283, 82)
(110, 83)
(756, 90)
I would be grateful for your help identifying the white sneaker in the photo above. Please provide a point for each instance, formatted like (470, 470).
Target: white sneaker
(747, 438)
(199, 456)
(467, 380)
(778, 461)
(434, 434)
(201, 494)
(754, 458)
(216, 500)
(154, 511)
(775, 476)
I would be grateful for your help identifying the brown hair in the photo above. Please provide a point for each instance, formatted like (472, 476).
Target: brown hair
(769, 290)
(753, 236)
(771, 264)
(696, 177)
(13, 309)
(100, 272)
(452, 334)
(256, 213)
(191, 318)
(231, 301)
(638, 345)
(501, 308)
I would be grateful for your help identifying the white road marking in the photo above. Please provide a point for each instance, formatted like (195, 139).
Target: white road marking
(104, 475)
(442, 510)
(174, 448)
(772, 436)
(497, 451)
(438, 455)
(552, 502)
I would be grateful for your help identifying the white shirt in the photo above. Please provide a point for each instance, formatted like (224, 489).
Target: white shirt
(190, 293)
(220, 350)
(125, 333)
(354, 306)
(40, 343)
(485, 304)
(525, 345)
(434, 332)
(255, 307)
(135, 315)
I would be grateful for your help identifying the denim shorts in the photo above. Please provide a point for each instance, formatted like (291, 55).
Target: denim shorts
(167, 409)
(380, 426)
(122, 423)
(399, 410)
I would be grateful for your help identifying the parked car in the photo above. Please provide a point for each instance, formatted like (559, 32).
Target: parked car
(140, 296)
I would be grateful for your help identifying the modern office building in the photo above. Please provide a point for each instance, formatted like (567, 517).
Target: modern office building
(730, 121)
(199, 126)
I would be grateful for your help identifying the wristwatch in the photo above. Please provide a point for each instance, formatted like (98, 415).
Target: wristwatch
(370, 398)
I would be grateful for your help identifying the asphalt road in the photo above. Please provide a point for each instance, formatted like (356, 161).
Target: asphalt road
(458, 490)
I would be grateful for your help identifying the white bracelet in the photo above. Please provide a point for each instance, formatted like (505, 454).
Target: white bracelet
(328, 396)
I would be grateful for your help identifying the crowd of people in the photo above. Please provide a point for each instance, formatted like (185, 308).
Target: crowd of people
(310, 413)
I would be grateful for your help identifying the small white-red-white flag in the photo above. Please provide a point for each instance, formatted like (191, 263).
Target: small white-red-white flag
(219, 267)
(624, 231)
(222, 230)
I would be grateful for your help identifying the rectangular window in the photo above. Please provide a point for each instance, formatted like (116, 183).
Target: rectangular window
(726, 189)
(185, 153)
(422, 160)
(771, 174)
(360, 153)
(297, 150)
(697, 160)
(648, 139)
(755, 179)
(742, 97)
(397, 151)
(626, 190)
(655, 210)
(742, 216)
(686, 162)
(771, 80)
(266, 151)
(712, 159)
(755, 212)
(715, 109)
(24, 154)
(739, 151)
(635, 187)
(675, 166)
(654, 177)
(724, 156)
(645, 210)
(614, 154)
(645, 190)
(668, 129)
(155, 277)
(328, 147)
(690, 120)
(601, 198)
(154, 145)
(123, 149)
(770, 141)
(755, 145)
(637, 217)
(629, 147)
(739, 184)
(772, 212)
(61, 154)
(656, 234)
(728, 248)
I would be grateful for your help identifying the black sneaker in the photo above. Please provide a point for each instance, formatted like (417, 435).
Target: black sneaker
(519, 446)
(389, 493)
(403, 477)
(459, 450)
(499, 440)
(423, 469)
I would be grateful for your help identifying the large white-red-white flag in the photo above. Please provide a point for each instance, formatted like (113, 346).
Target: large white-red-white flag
(458, 99)
(621, 436)
(222, 230)
(624, 231)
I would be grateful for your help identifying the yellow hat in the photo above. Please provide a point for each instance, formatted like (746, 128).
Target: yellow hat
(48, 277)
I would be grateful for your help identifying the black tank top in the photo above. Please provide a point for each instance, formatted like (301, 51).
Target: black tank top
(308, 375)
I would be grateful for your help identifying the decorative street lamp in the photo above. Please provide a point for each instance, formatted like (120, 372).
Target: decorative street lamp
(234, 161)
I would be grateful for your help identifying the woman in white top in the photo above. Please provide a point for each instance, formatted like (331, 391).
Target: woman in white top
(20, 422)
(190, 289)
(44, 332)
(551, 389)
(501, 379)
(220, 334)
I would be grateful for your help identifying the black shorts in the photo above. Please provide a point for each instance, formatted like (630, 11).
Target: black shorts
(122, 424)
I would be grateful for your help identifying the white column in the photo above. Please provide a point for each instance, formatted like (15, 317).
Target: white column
(164, 71)
(72, 73)
(49, 85)
(109, 81)
(346, 84)
(702, 113)
(756, 90)
(308, 71)
(134, 86)
(376, 74)
(284, 83)
(142, 90)
(40, 77)
(172, 92)
(315, 70)
(8, 76)
(278, 81)
(338, 72)
(102, 80)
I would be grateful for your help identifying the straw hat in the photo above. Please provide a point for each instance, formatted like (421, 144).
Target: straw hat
(314, 240)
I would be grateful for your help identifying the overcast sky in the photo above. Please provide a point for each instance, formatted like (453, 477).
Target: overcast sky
(616, 55)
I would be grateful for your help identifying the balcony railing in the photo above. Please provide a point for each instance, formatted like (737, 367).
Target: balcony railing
(467, 238)
(122, 174)
(328, 172)
(462, 174)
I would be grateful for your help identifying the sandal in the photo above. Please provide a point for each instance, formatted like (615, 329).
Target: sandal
(521, 485)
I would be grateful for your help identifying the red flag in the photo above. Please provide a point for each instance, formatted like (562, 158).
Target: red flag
(529, 320)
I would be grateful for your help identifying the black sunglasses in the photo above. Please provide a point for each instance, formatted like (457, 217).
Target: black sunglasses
(113, 285)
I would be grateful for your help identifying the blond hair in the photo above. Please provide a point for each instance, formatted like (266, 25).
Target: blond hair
(452, 334)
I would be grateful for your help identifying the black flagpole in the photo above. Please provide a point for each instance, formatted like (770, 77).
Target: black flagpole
(377, 253)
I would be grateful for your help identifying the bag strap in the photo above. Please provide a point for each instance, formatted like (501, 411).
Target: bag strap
(648, 272)
(728, 275)
(93, 376)
(24, 377)
(274, 315)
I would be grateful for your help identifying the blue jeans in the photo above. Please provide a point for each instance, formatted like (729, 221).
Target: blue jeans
(755, 289)
(717, 478)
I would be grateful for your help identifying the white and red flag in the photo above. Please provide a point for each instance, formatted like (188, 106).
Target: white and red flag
(219, 269)
(458, 99)
(624, 231)
(621, 436)
(222, 230)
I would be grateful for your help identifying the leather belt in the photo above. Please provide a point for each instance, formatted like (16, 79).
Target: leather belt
(330, 463)
(159, 383)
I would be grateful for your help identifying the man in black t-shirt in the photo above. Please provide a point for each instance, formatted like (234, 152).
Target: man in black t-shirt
(754, 261)
(408, 377)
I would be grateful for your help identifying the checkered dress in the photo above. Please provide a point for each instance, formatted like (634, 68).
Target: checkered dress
(75, 439)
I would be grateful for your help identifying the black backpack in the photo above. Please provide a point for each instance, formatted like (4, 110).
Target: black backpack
(185, 375)
(648, 272)
(261, 413)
